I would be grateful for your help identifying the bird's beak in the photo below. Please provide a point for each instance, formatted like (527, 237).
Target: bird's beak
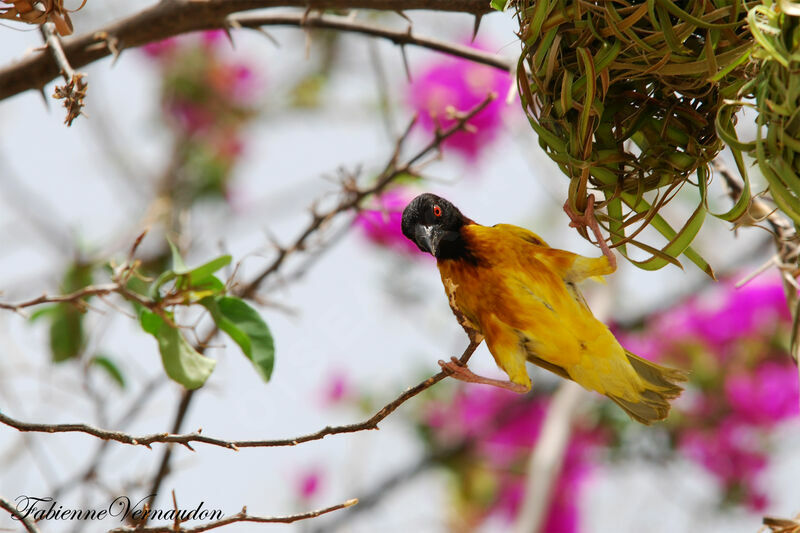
(427, 238)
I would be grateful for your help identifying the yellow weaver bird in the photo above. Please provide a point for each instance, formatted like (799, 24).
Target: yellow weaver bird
(506, 285)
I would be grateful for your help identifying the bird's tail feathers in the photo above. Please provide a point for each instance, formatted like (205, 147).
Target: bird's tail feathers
(661, 384)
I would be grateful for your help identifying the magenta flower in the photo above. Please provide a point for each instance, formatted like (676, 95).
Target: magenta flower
(212, 38)
(189, 117)
(308, 484)
(160, 49)
(727, 314)
(765, 395)
(337, 389)
(504, 443)
(234, 81)
(458, 84)
(732, 453)
(382, 224)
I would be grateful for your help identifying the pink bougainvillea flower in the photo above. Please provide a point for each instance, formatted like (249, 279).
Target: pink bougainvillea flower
(765, 395)
(160, 49)
(458, 84)
(337, 388)
(189, 117)
(474, 413)
(309, 484)
(727, 314)
(731, 452)
(234, 81)
(382, 224)
(213, 37)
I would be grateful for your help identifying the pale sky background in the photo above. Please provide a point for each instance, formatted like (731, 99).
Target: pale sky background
(361, 311)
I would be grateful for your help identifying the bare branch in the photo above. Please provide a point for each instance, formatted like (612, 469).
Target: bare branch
(25, 521)
(187, 439)
(241, 516)
(169, 18)
(346, 24)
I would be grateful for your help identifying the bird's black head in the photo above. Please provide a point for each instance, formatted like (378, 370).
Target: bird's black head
(434, 224)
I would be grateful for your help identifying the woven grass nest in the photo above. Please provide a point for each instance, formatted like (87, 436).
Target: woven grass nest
(624, 94)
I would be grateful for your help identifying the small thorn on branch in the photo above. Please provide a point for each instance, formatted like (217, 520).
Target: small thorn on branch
(476, 26)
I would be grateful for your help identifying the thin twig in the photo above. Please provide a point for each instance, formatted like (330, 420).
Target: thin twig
(169, 18)
(24, 520)
(241, 516)
(347, 24)
(189, 438)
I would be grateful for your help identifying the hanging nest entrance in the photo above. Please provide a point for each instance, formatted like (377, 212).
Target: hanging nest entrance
(624, 94)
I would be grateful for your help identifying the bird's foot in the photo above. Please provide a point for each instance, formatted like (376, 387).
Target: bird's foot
(588, 220)
(462, 373)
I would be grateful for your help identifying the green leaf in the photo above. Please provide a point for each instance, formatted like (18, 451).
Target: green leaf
(181, 361)
(178, 266)
(66, 333)
(203, 272)
(187, 277)
(247, 329)
(66, 326)
(499, 5)
(43, 312)
(150, 321)
(111, 369)
(163, 278)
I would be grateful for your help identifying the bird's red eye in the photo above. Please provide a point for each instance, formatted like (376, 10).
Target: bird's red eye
(437, 211)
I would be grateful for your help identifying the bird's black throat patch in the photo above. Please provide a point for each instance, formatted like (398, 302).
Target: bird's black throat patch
(457, 249)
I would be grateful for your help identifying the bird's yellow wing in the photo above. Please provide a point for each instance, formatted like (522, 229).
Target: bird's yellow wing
(572, 268)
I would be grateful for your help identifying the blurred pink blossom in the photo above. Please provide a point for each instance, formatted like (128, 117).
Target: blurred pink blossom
(765, 395)
(731, 451)
(478, 413)
(382, 224)
(189, 117)
(337, 388)
(213, 37)
(461, 85)
(309, 483)
(235, 81)
(727, 314)
(160, 49)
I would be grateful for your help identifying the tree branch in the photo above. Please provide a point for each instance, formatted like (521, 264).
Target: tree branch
(30, 527)
(345, 24)
(168, 18)
(189, 438)
(241, 516)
